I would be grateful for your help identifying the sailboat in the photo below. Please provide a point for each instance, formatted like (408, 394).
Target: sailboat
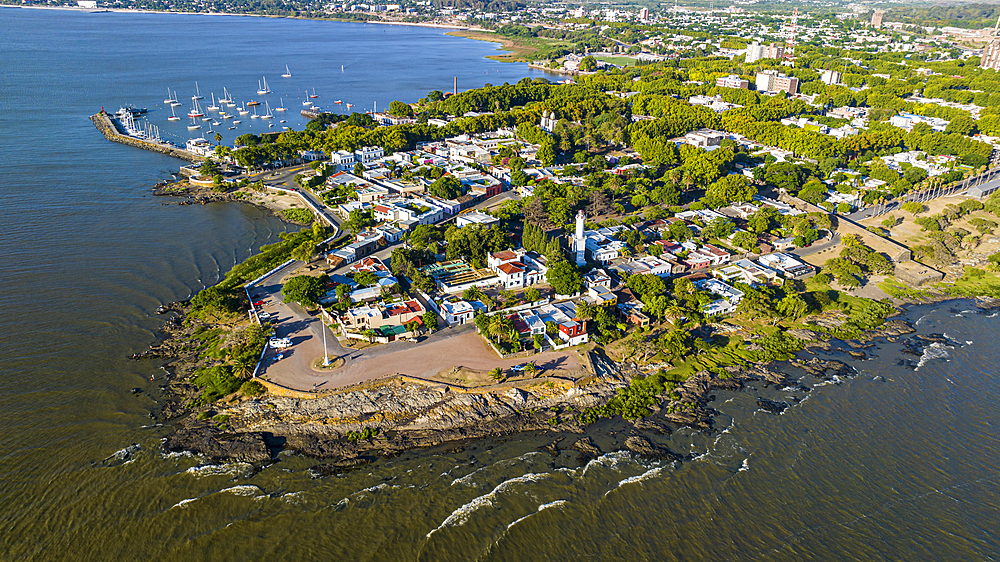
(254, 114)
(226, 98)
(288, 73)
(170, 98)
(196, 111)
(173, 116)
(263, 90)
(314, 96)
(307, 102)
(242, 110)
(350, 105)
(174, 102)
(267, 115)
(213, 107)
(197, 93)
(194, 125)
(280, 108)
(337, 102)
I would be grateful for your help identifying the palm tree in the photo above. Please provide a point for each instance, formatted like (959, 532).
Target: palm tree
(497, 374)
(531, 369)
(218, 138)
(370, 335)
(500, 325)
(243, 366)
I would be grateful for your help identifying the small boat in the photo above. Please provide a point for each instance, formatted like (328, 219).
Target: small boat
(174, 102)
(288, 73)
(242, 110)
(252, 103)
(254, 115)
(267, 115)
(307, 102)
(227, 116)
(262, 89)
(237, 122)
(270, 124)
(216, 123)
(279, 108)
(213, 107)
(226, 98)
(337, 102)
(284, 128)
(208, 132)
(197, 93)
(284, 121)
(170, 98)
(206, 118)
(314, 95)
(173, 116)
(350, 105)
(196, 111)
(231, 128)
(194, 125)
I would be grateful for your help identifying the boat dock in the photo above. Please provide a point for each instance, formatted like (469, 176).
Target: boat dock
(107, 126)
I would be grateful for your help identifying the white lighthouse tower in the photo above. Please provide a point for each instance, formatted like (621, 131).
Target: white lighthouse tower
(580, 240)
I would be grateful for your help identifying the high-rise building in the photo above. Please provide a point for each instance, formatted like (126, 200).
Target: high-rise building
(644, 14)
(756, 51)
(991, 55)
(877, 18)
(732, 81)
(830, 77)
(772, 81)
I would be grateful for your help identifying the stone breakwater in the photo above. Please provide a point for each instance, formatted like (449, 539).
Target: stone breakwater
(107, 127)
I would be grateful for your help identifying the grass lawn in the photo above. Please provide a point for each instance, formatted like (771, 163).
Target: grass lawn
(521, 48)
(620, 61)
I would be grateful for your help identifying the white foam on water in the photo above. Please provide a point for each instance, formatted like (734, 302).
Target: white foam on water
(179, 454)
(243, 490)
(610, 460)
(745, 466)
(921, 319)
(541, 508)
(228, 469)
(933, 351)
(834, 380)
(467, 480)
(183, 503)
(461, 515)
(651, 473)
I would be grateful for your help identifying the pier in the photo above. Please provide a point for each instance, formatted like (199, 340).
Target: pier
(107, 126)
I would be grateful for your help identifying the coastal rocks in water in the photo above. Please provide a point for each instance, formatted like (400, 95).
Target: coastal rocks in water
(857, 354)
(771, 406)
(647, 450)
(824, 368)
(588, 450)
(216, 445)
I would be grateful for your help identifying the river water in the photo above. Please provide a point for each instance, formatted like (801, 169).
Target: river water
(893, 464)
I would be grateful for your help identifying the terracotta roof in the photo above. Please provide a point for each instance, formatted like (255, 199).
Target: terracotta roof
(505, 255)
(511, 268)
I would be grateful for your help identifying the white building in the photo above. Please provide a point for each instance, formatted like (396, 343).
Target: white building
(475, 217)
(343, 160)
(830, 77)
(732, 81)
(579, 246)
(368, 154)
(457, 312)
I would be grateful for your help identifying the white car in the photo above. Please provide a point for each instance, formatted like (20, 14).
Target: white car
(280, 343)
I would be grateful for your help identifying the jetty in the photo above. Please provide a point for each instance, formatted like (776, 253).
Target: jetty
(111, 131)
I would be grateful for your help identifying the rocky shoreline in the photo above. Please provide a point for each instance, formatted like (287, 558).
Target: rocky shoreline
(354, 426)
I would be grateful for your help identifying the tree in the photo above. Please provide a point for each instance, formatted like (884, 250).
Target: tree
(446, 187)
(304, 251)
(531, 368)
(532, 295)
(400, 109)
(913, 207)
(539, 341)
(496, 374)
(365, 278)
(674, 344)
(430, 320)
(370, 335)
(745, 240)
(209, 168)
(588, 64)
(218, 138)
(584, 310)
(733, 188)
(304, 289)
(359, 169)
(359, 219)
(564, 278)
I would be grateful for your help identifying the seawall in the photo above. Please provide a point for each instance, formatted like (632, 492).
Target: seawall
(110, 131)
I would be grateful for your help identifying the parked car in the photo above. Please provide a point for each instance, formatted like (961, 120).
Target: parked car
(258, 303)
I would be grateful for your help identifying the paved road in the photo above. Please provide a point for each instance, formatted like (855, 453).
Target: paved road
(817, 248)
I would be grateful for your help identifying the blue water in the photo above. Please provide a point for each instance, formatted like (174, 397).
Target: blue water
(893, 464)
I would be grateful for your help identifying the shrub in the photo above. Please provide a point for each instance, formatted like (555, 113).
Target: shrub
(252, 388)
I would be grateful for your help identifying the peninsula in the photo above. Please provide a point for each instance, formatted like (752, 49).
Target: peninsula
(541, 256)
